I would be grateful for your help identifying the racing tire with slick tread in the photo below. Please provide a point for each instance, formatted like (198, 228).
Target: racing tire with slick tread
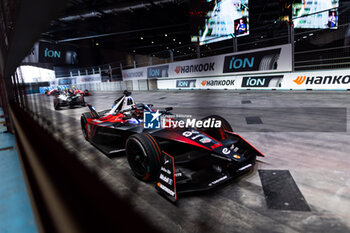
(56, 104)
(83, 126)
(218, 133)
(143, 154)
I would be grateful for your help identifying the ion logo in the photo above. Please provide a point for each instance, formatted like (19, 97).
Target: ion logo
(262, 81)
(152, 120)
(186, 83)
(254, 61)
(239, 63)
(52, 53)
(158, 72)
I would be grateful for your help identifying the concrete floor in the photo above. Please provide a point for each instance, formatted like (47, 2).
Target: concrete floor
(303, 132)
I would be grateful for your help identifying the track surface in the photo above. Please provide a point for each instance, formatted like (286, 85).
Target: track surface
(303, 132)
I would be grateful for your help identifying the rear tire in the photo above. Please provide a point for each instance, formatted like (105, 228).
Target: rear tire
(143, 155)
(218, 133)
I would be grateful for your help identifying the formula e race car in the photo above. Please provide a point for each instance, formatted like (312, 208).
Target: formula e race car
(178, 159)
(68, 98)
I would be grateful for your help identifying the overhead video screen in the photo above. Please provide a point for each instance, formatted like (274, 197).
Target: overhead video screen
(213, 21)
(315, 13)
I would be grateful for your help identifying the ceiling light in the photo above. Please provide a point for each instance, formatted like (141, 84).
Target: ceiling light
(141, 38)
(152, 42)
(97, 44)
(174, 39)
(180, 42)
(165, 35)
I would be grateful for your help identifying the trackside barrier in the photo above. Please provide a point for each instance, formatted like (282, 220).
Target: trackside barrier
(315, 80)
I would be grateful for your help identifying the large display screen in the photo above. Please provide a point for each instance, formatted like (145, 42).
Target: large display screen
(315, 13)
(219, 20)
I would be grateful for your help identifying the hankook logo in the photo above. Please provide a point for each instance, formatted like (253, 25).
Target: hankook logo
(218, 83)
(133, 74)
(195, 68)
(322, 80)
(300, 80)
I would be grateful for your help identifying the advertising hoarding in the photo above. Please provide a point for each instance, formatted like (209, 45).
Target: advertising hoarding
(258, 61)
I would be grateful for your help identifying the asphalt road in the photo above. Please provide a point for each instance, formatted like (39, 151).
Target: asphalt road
(303, 132)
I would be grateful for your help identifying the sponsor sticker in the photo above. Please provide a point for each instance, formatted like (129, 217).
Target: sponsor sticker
(236, 156)
(218, 180)
(226, 151)
(167, 171)
(166, 189)
(166, 179)
(245, 167)
(205, 140)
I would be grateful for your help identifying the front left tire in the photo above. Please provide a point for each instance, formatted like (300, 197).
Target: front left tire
(143, 154)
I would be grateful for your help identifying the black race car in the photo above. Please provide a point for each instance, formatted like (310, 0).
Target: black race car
(68, 98)
(179, 160)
